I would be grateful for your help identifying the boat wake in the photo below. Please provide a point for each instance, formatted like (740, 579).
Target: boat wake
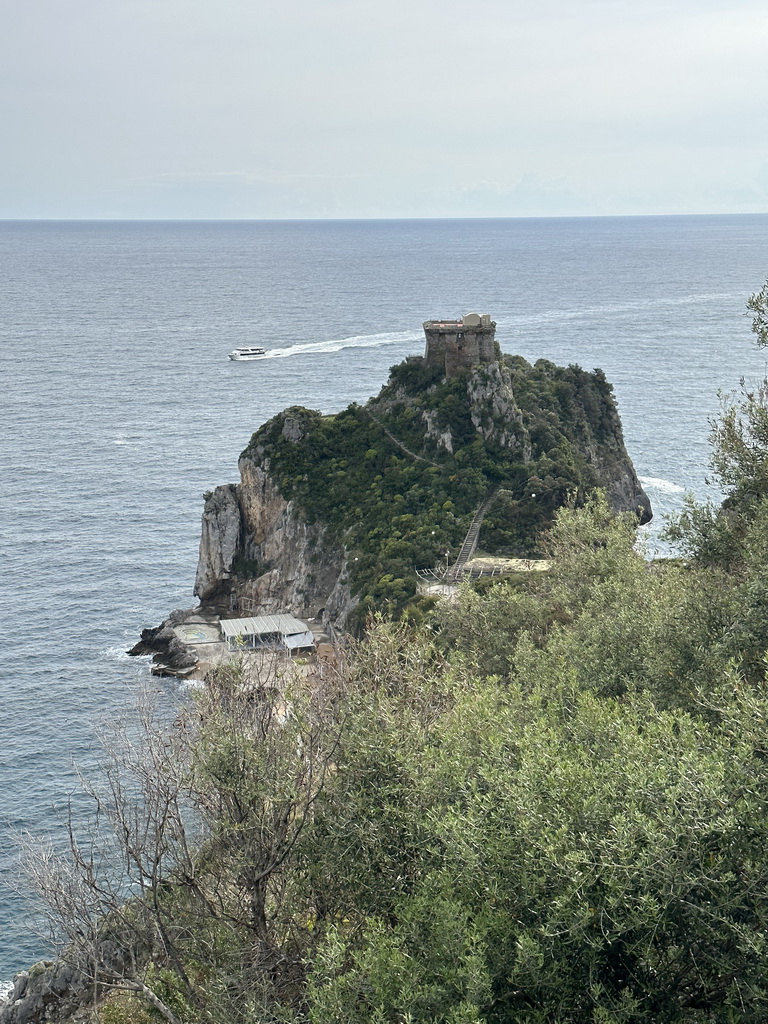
(337, 344)
(618, 310)
(123, 439)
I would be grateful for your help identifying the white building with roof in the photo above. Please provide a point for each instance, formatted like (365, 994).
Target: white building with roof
(274, 632)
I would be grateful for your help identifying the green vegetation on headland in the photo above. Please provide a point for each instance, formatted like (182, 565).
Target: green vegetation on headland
(397, 481)
(550, 804)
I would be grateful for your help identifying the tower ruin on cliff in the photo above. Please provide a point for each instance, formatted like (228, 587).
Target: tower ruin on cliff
(458, 345)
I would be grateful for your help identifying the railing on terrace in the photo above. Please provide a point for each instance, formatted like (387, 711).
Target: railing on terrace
(442, 575)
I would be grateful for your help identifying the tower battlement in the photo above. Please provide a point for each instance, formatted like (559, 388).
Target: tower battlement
(458, 345)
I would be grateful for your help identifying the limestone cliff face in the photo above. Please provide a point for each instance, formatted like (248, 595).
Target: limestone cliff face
(442, 437)
(259, 556)
(219, 539)
(613, 466)
(494, 411)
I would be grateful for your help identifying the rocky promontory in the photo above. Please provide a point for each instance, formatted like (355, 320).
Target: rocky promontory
(333, 514)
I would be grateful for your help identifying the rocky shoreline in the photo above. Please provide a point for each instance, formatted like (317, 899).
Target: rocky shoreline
(50, 991)
(171, 656)
(188, 644)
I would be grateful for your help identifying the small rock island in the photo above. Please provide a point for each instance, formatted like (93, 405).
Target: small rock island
(334, 514)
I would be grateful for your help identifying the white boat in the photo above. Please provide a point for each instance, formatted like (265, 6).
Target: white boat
(249, 352)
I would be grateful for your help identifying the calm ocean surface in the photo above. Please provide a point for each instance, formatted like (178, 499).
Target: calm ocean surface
(119, 408)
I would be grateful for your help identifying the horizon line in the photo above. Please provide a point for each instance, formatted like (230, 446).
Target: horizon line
(353, 220)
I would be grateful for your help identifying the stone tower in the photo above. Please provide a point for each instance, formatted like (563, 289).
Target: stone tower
(458, 345)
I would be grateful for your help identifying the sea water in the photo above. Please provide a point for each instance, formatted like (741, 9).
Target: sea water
(119, 408)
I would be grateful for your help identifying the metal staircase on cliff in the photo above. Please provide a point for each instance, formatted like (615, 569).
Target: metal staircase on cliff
(470, 541)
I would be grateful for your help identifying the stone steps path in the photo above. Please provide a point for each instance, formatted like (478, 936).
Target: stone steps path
(470, 541)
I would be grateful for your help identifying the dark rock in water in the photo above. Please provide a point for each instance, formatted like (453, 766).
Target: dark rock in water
(60, 992)
(48, 992)
(169, 651)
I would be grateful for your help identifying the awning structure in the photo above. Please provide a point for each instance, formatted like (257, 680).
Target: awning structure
(281, 631)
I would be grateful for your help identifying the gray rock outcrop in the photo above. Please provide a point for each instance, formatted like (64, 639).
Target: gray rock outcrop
(285, 563)
(51, 992)
(219, 539)
(495, 414)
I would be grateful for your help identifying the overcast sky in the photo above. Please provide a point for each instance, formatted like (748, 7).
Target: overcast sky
(382, 108)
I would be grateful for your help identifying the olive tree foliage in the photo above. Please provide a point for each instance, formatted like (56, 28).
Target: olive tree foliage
(260, 761)
(553, 809)
(542, 852)
(622, 624)
(739, 440)
(104, 901)
(715, 534)
(178, 892)
(589, 547)
(727, 543)
(414, 840)
(757, 304)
